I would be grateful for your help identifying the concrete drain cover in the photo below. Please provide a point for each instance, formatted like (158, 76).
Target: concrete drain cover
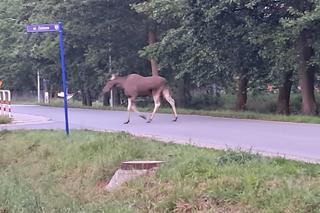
(130, 170)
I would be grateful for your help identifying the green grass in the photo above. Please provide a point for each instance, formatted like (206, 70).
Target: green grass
(260, 106)
(213, 113)
(5, 120)
(46, 171)
(254, 115)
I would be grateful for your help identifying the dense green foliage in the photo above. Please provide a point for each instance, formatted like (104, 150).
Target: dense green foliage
(45, 171)
(255, 42)
(237, 46)
(93, 31)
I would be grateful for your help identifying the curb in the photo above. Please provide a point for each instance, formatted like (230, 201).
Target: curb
(18, 119)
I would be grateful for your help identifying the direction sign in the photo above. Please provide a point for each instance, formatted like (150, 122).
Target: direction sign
(38, 28)
(41, 28)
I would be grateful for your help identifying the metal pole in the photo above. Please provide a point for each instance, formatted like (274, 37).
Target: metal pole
(2, 102)
(111, 98)
(110, 69)
(38, 80)
(64, 81)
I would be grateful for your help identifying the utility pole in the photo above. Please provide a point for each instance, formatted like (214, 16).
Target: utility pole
(111, 100)
(110, 70)
(38, 80)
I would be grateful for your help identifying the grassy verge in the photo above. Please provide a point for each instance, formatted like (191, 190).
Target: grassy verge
(45, 171)
(214, 113)
(254, 115)
(5, 120)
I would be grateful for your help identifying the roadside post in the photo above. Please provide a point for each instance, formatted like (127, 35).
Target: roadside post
(42, 28)
(5, 103)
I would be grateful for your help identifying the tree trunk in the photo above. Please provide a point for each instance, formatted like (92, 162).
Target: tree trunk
(182, 94)
(116, 97)
(309, 106)
(242, 93)
(83, 97)
(86, 97)
(106, 98)
(306, 75)
(283, 105)
(152, 39)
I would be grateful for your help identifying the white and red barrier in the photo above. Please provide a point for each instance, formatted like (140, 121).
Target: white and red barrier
(5, 103)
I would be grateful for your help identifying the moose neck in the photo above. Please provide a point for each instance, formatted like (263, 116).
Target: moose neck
(119, 81)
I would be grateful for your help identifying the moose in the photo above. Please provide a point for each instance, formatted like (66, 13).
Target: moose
(135, 85)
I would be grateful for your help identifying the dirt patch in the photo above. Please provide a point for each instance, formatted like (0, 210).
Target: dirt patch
(206, 204)
(4, 210)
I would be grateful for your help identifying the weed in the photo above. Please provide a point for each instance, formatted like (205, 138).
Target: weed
(237, 157)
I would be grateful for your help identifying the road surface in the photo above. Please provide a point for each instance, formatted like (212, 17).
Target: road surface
(290, 140)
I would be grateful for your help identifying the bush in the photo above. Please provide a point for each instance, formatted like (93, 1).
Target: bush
(262, 103)
(206, 101)
(237, 157)
(295, 103)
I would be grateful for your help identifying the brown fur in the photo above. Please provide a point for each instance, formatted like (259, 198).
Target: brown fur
(135, 85)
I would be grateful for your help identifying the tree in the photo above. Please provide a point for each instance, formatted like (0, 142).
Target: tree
(152, 38)
(294, 25)
(11, 35)
(208, 41)
(90, 28)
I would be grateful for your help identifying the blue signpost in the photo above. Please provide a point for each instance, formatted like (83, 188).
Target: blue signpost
(41, 28)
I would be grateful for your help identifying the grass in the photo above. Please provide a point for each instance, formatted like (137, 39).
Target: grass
(213, 113)
(255, 115)
(46, 171)
(5, 120)
(259, 107)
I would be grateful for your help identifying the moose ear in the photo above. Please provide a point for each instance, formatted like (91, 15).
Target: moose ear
(113, 76)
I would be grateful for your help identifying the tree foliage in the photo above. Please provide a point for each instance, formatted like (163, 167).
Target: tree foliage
(254, 41)
(239, 45)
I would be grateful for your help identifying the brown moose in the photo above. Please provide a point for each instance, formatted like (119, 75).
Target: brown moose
(135, 85)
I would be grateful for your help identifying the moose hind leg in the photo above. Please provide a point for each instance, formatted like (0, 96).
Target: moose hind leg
(167, 96)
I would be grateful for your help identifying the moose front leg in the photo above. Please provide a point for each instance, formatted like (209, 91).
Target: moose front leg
(129, 110)
(157, 104)
(134, 108)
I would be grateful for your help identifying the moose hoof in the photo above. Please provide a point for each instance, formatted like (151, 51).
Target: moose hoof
(143, 116)
(126, 122)
(175, 119)
(149, 121)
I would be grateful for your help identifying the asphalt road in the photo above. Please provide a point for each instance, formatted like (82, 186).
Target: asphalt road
(290, 140)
